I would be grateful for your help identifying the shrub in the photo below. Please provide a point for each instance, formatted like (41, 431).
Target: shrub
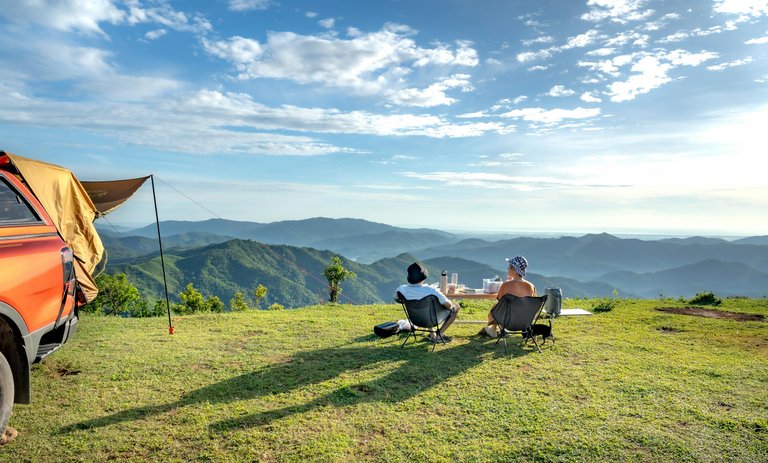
(707, 298)
(276, 306)
(606, 304)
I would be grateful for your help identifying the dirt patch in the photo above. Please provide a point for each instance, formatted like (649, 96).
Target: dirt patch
(63, 371)
(709, 313)
(669, 329)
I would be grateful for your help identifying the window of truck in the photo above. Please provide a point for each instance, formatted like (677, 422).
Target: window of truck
(14, 209)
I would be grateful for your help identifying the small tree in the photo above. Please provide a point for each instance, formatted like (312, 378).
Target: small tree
(116, 296)
(192, 301)
(335, 274)
(258, 294)
(238, 303)
(214, 304)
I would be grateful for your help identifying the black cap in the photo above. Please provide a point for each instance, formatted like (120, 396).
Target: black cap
(417, 273)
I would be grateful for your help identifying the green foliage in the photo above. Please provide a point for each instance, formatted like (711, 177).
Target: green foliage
(259, 293)
(117, 296)
(335, 273)
(214, 304)
(707, 298)
(276, 306)
(238, 303)
(606, 304)
(193, 301)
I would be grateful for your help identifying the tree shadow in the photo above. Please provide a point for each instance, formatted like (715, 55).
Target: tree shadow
(417, 370)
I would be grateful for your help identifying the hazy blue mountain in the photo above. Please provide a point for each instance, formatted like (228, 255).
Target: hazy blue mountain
(368, 248)
(223, 227)
(695, 240)
(757, 240)
(723, 278)
(588, 257)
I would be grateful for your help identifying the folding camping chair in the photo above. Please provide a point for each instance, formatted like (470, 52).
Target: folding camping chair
(517, 315)
(424, 315)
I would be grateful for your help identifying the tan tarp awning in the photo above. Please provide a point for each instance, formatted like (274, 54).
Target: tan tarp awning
(109, 195)
(71, 210)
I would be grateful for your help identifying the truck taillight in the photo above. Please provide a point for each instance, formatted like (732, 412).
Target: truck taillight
(68, 264)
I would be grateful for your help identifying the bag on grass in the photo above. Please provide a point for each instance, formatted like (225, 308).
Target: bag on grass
(386, 329)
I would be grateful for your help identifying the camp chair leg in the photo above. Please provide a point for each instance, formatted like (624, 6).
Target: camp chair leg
(406, 338)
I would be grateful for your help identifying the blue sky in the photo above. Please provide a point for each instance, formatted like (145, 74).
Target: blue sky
(633, 116)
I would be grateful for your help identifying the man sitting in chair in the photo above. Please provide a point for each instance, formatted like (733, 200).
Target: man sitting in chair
(515, 285)
(416, 289)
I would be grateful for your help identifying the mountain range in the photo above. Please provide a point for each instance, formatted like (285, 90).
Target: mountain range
(222, 256)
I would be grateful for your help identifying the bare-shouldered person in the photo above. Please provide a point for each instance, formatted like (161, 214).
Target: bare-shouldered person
(515, 285)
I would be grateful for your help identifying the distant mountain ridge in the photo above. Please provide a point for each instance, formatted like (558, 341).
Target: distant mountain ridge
(586, 266)
(359, 239)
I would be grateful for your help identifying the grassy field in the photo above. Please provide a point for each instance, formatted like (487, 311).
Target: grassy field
(314, 384)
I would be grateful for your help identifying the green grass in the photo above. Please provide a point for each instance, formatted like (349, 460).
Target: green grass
(314, 384)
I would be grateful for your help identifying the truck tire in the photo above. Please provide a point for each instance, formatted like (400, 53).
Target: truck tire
(6, 392)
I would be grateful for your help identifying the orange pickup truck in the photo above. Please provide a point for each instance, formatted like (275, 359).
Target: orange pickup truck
(38, 290)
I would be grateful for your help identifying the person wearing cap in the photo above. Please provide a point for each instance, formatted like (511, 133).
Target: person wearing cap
(416, 289)
(515, 285)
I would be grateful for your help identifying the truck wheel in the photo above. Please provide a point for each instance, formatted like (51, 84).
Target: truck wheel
(6, 392)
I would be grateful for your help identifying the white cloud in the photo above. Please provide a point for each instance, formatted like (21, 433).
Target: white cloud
(372, 63)
(661, 22)
(698, 32)
(630, 37)
(560, 91)
(434, 95)
(474, 115)
(730, 64)
(209, 122)
(619, 11)
(311, 14)
(754, 8)
(537, 68)
(327, 23)
(757, 41)
(601, 52)
(499, 181)
(551, 116)
(86, 15)
(590, 97)
(578, 41)
(63, 15)
(652, 71)
(239, 50)
(533, 55)
(155, 34)
(581, 40)
(248, 5)
(538, 40)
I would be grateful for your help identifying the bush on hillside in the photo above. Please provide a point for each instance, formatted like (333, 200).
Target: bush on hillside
(707, 298)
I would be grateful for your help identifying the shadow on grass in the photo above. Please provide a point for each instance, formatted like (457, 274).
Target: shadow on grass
(414, 371)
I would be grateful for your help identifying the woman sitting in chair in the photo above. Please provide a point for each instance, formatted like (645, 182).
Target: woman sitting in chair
(416, 289)
(515, 285)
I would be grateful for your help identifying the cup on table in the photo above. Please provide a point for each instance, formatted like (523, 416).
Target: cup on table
(451, 288)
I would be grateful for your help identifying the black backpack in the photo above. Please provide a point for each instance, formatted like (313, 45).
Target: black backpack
(386, 329)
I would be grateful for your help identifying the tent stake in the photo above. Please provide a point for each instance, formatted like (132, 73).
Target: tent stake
(162, 259)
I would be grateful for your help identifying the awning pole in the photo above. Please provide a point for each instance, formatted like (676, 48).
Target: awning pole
(162, 259)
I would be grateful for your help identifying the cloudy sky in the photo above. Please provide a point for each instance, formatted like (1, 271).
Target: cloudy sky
(625, 116)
